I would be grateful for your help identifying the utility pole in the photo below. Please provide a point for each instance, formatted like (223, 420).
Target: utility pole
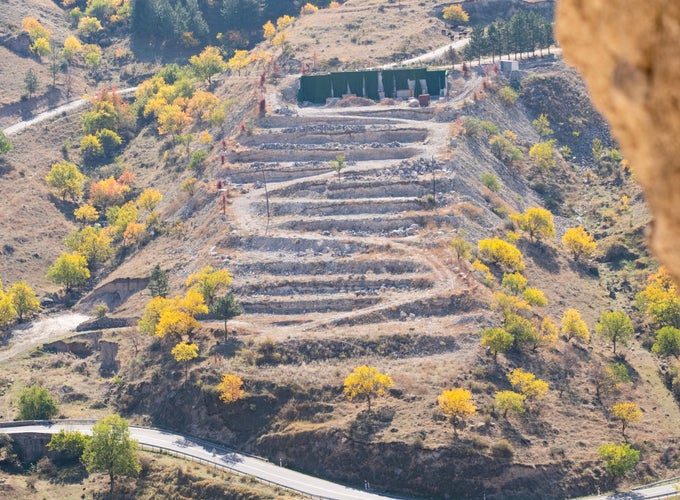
(434, 181)
(266, 195)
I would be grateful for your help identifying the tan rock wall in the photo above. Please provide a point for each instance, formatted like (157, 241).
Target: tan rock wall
(628, 51)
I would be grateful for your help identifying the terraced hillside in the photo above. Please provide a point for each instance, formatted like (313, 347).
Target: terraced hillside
(340, 269)
(314, 248)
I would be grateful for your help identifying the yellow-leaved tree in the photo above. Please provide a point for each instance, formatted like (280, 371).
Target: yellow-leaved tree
(280, 39)
(509, 401)
(175, 317)
(514, 283)
(660, 300)
(535, 297)
(527, 384)
(133, 234)
(72, 47)
(501, 253)
(574, 326)
(239, 61)
(149, 199)
(308, 8)
(284, 21)
(536, 222)
(509, 305)
(548, 332)
(230, 388)
(172, 120)
(457, 404)
(93, 243)
(65, 177)
(120, 217)
(208, 282)
(366, 381)
(86, 213)
(25, 300)
(627, 413)
(497, 340)
(152, 312)
(579, 243)
(7, 310)
(183, 353)
(543, 154)
(70, 270)
(455, 13)
(203, 105)
(207, 64)
(268, 30)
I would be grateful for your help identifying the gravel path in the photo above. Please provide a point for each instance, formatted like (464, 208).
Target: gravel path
(47, 328)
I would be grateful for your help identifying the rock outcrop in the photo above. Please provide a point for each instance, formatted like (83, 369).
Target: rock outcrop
(108, 354)
(627, 51)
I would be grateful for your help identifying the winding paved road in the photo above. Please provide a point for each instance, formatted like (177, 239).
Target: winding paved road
(46, 115)
(214, 454)
(210, 453)
(653, 491)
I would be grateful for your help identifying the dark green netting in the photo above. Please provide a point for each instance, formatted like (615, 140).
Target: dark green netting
(317, 88)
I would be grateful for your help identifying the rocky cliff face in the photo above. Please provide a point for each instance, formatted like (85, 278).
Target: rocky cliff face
(629, 54)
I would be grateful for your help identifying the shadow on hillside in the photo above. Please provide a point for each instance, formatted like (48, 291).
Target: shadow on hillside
(510, 430)
(584, 270)
(67, 473)
(543, 256)
(633, 374)
(51, 98)
(5, 167)
(367, 424)
(226, 349)
(64, 206)
(149, 51)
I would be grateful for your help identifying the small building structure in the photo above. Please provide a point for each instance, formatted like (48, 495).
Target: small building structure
(373, 84)
(508, 66)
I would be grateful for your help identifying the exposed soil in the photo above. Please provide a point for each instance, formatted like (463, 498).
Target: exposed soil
(339, 270)
(29, 335)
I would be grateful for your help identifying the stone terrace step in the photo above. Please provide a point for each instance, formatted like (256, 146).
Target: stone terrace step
(282, 267)
(321, 208)
(269, 305)
(301, 245)
(387, 135)
(348, 189)
(308, 123)
(328, 285)
(391, 226)
(362, 153)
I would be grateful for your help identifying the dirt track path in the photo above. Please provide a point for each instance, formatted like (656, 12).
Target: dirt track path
(28, 335)
(300, 206)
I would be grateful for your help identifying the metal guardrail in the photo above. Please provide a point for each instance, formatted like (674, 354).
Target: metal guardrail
(168, 451)
(87, 421)
(658, 483)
